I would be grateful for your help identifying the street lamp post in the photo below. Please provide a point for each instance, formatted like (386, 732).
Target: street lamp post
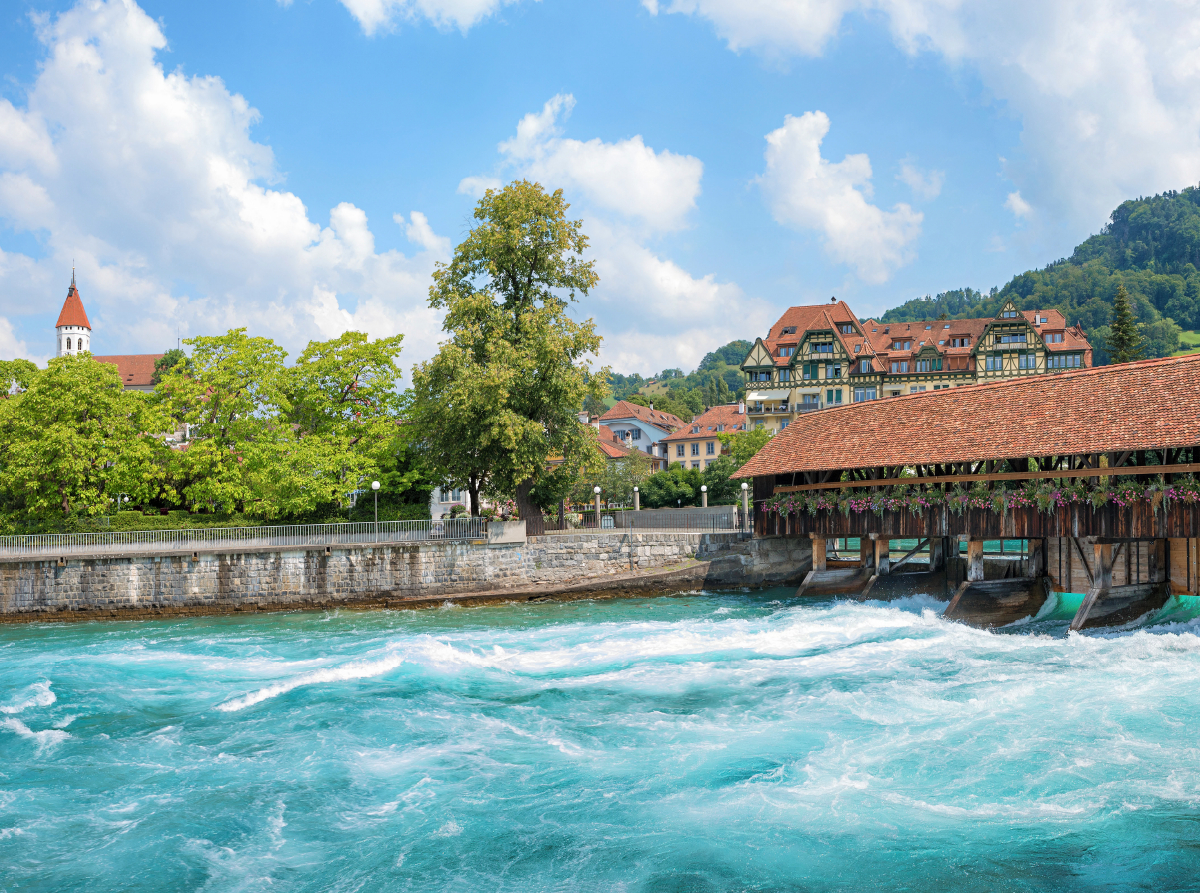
(637, 500)
(745, 505)
(704, 496)
(596, 490)
(375, 489)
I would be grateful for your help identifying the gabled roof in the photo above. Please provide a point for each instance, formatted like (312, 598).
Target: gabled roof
(72, 313)
(1151, 404)
(726, 414)
(136, 370)
(802, 319)
(623, 409)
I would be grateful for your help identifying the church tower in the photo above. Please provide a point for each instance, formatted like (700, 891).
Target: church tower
(74, 330)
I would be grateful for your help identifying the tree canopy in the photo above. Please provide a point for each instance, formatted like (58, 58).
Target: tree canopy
(501, 397)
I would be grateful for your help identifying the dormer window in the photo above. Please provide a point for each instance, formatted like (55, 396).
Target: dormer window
(1009, 314)
(901, 345)
(786, 351)
(695, 429)
(927, 328)
(789, 330)
(946, 326)
(847, 329)
(857, 348)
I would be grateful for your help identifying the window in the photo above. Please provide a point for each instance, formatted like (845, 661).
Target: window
(695, 465)
(787, 351)
(785, 374)
(1009, 314)
(760, 376)
(1027, 361)
(833, 396)
(924, 365)
(960, 342)
(1054, 338)
(679, 449)
(710, 448)
(820, 348)
(847, 329)
(833, 370)
(857, 348)
(722, 427)
(1043, 320)
(901, 345)
(636, 434)
(861, 395)
(995, 362)
(1065, 361)
(695, 449)
(68, 342)
(864, 366)
(899, 367)
(809, 371)
(1016, 338)
(788, 330)
(695, 429)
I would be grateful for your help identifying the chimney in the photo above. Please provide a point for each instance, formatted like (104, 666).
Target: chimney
(596, 423)
(741, 407)
(584, 418)
(652, 407)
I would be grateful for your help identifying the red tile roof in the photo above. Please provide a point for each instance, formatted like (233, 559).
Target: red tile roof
(612, 446)
(726, 415)
(136, 370)
(72, 313)
(623, 409)
(1151, 404)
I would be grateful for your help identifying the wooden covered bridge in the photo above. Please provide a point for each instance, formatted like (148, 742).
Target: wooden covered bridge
(1094, 470)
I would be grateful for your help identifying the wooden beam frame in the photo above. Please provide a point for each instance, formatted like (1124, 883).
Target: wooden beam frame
(1121, 471)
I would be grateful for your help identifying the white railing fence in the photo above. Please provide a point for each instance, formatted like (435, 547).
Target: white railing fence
(62, 545)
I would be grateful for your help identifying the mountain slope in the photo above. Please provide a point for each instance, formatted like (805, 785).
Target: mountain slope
(1150, 245)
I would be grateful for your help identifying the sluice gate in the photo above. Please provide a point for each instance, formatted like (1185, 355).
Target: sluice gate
(1093, 472)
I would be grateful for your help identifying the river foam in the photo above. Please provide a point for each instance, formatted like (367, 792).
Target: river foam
(703, 742)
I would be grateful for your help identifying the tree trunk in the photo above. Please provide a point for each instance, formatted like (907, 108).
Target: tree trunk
(473, 492)
(529, 511)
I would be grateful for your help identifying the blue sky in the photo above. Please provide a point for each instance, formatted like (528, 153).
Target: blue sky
(299, 167)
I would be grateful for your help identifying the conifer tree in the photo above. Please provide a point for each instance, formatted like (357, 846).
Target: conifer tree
(1125, 343)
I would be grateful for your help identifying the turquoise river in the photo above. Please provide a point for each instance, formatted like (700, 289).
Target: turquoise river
(703, 742)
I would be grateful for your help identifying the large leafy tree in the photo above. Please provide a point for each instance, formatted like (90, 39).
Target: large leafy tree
(16, 375)
(1124, 343)
(500, 400)
(74, 441)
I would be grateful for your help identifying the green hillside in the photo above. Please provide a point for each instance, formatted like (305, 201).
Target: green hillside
(718, 379)
(1151, 246)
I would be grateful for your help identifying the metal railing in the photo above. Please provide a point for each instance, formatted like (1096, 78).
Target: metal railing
(669, 521)
(152, 542)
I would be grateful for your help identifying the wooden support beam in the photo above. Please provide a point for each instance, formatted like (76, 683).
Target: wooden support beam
(921, 544)
(1083, 558)
(999, 476)
(974, 560)
(818, 553)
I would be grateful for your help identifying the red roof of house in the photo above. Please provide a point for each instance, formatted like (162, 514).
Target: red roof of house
(1150, 404)
(72, 313)
(623, 409)
(136, 370)
(724, 418)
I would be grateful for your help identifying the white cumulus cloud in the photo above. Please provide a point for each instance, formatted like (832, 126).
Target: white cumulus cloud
(383, 15)
(926, 185)
(1108, 92)
(627, 176)
(1020, 208)
(806, 191)
(150, 182)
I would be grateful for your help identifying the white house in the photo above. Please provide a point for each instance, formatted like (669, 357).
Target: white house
(642, 428)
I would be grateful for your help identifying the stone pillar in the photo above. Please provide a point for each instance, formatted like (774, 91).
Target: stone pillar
(746, 506)
(818, 553)
(883, 555)
(974, 561)
(637, 500)
(704, 496)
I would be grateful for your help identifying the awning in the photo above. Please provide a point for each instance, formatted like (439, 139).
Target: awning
(764, 396)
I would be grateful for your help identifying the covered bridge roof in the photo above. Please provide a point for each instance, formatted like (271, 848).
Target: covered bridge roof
(1151, 404)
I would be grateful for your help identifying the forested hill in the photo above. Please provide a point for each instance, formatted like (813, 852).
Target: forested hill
(1151, 246)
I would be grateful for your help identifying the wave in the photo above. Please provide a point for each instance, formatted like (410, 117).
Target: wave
(359, 669)
(45, 738)
(41, 696)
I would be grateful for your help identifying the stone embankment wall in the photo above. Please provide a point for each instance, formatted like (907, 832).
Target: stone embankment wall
(391, 574)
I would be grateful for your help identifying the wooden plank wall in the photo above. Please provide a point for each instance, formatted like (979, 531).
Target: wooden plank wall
(1065, 565)
(1184, 561)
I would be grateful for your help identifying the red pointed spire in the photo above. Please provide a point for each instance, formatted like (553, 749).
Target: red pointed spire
(73, 313)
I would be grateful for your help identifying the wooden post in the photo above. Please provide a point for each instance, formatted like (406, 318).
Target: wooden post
(883, 555)
(1102, 576)
(866, 552)
(818, 553)
(937, 553)
(1036, 566)
(1158, 561)
(974, 561)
